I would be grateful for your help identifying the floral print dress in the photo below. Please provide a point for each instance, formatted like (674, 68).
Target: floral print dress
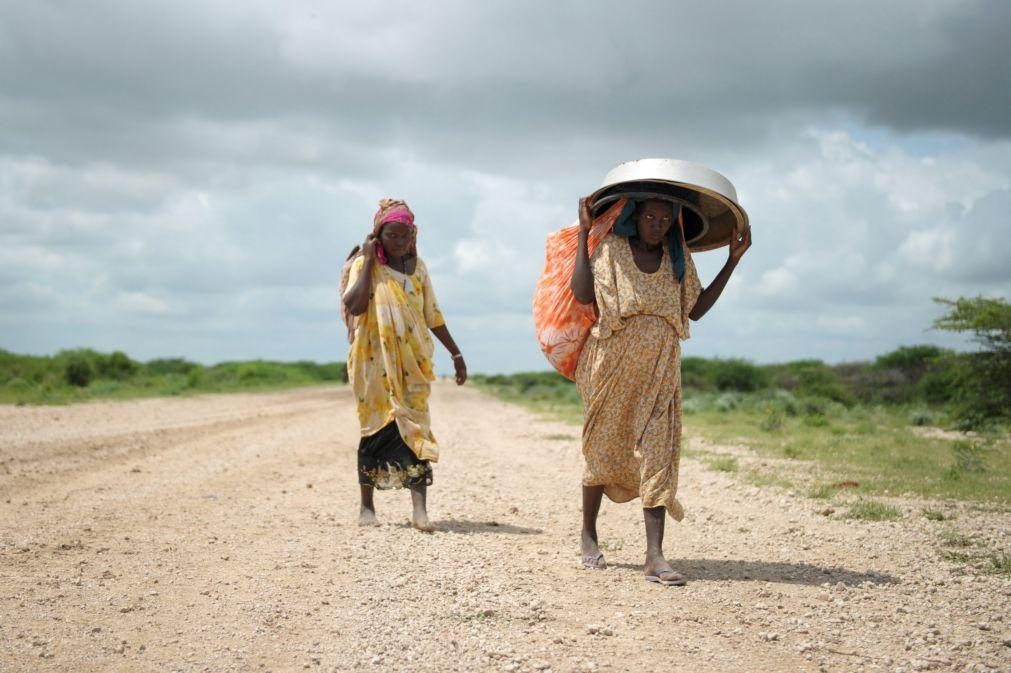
(390, 370)
(629, 376)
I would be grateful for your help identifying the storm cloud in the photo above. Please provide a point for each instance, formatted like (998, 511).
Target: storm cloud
(186, 178)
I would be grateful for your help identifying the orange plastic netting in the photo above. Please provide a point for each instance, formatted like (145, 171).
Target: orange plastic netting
(562, 323)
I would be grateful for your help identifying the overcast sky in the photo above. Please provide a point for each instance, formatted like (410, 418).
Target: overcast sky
(185, 178)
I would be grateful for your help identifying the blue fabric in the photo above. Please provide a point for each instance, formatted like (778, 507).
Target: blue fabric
(625, 226)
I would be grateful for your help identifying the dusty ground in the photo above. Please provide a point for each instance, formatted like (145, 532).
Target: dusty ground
(217, 534)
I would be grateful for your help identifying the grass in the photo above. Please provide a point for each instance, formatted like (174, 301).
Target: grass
(82, 375)
(826, 441)
(935, 515)
(872, 510)
(763, 478)
(875, 447)
(951, 538)
(723, 464)
(968, 554)
(960, 557)
(1000, 564)
(822, 492)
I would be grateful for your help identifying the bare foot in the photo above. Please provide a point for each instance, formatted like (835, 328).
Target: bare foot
(420, 522)
(593, 558)
(367, 517)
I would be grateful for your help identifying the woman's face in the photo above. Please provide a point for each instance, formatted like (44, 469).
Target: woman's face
(653, 219)
(396, 238)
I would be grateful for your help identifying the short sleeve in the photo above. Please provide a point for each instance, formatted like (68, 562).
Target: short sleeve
(433, 316)
(353, 273)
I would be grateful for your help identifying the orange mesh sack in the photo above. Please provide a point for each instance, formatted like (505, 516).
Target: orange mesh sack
(562, 323)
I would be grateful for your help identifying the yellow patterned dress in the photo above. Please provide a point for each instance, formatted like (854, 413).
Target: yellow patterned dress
(629, 376)
(390, 370)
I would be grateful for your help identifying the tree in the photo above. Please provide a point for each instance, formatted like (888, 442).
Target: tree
(985, 381)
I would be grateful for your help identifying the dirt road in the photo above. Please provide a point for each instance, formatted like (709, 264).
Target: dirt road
(217, 534)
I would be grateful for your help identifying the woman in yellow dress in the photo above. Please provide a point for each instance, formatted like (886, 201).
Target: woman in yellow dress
(645, 287)
(389, 297)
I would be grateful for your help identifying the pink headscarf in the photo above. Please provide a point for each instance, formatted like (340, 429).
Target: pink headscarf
(392, 210)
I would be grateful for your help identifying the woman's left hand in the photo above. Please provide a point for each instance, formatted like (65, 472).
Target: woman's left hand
(739, 244)
(461, 370)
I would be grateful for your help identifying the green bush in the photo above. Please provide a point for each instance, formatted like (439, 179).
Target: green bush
(772, 419)
(696, 373)
(169, 366)
(921, 416)
(194, 377)
(78, 371)
(984, 378)
(116, 366)
(18, 385)
(913, 361)
(727, 402)
(787, 402)
(738, 375)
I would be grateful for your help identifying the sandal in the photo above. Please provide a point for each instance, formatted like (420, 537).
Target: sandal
(668, 578)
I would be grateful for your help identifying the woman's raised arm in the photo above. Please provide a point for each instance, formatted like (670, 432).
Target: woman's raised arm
(582, 273)
(738, 246)
(357, 296)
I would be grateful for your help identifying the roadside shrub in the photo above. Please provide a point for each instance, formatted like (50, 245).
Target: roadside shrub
(814, 406)
(117, 366)
(169, 366)
(913, 361)
(18, 385)
(727, 402)
(738, 375)
(816, 421)
(921, 416)
(194, 377)
(787, 402)
(693, 405)
(696, 373)
(772, 418)
(940, 385)
(78, 371)
(985, 383)
(811, 378)
(968, 457)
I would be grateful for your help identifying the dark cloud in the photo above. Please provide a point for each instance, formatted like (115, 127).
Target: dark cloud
(492, 85)
(187, 177)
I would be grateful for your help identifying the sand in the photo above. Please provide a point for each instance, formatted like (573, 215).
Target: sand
(218, 533)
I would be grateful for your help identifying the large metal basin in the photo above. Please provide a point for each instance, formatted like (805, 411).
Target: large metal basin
(709, 200)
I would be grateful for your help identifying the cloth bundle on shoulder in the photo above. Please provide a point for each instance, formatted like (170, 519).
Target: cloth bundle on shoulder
(562, 323)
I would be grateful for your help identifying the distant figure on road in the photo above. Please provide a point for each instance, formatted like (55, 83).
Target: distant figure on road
(390, 307)
(645, 287)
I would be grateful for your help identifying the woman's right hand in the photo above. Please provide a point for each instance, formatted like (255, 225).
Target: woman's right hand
(369, 248)
(585, 216)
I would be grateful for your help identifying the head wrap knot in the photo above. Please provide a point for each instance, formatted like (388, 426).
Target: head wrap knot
(392, 210)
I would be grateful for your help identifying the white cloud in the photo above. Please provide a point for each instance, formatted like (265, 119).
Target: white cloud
(187, 178)
(141, 302)
(931, 248)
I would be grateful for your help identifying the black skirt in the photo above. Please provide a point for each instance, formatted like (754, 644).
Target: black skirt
(385, 461)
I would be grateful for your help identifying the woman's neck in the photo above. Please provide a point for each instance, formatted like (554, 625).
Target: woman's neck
(398, 263)
(644, 246)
